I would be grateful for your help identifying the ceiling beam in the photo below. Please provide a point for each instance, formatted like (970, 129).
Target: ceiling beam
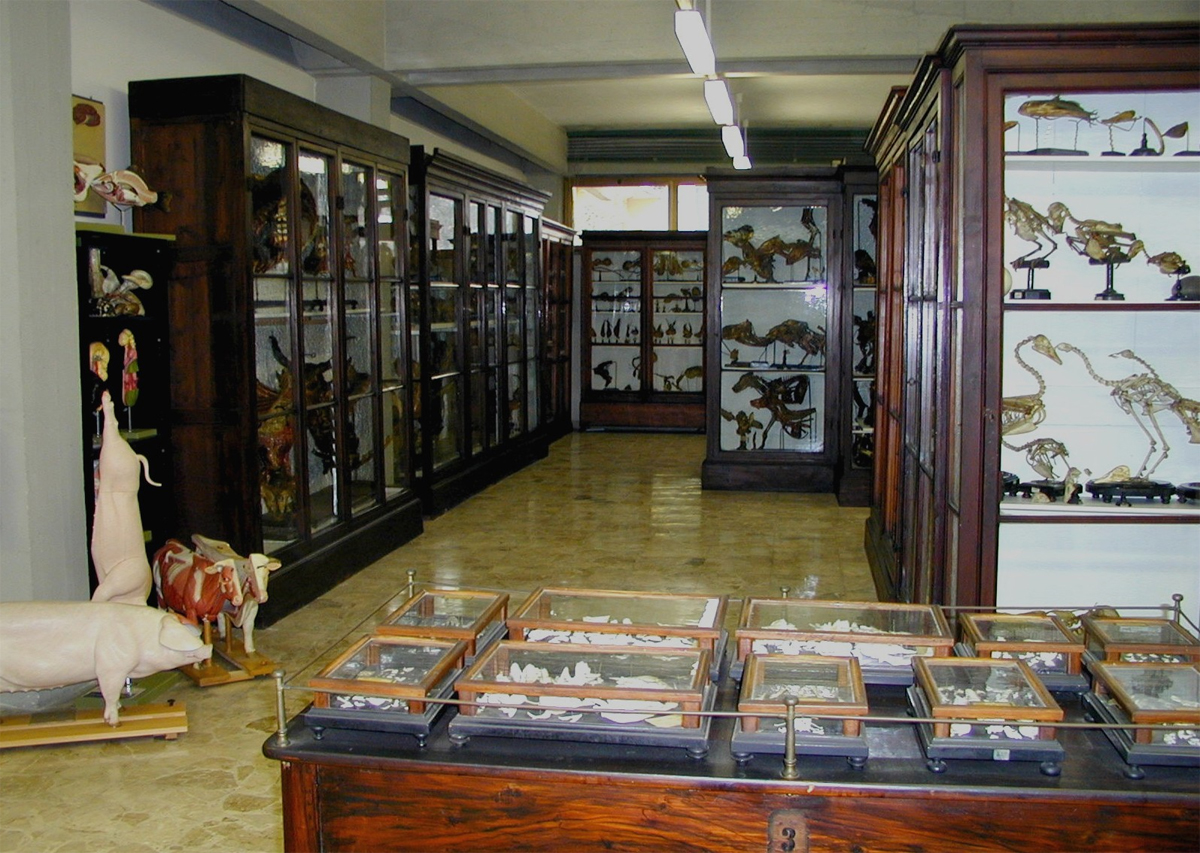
(806, 66)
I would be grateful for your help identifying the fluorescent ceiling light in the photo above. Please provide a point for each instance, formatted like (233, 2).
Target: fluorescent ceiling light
(742, 162)
(735, 143)
(693, 38)
(716, 95)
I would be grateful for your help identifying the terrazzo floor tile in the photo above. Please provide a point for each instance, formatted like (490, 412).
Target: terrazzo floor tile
(616, 511)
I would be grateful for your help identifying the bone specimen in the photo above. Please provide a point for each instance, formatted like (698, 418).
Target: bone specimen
(1143, 396)
(1032, 227)
(1022, 413)
(1042, 455)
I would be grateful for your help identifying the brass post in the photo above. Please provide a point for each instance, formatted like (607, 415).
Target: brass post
(789, 749)
(280, 713)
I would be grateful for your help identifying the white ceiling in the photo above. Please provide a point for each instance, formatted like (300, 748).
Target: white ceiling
(615, 64)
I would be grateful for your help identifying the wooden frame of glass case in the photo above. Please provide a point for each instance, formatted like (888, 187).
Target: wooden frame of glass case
(1116, 638)
(1039, 709)
(474, 617)
(1116, 680)
(1041, 640)
(368, 652)
(783, 674)
(758, 629)
(489, 675)
(702, 626)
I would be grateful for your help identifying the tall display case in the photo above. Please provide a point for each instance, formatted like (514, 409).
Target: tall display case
(124, 349)
(643, 324)
(476, 293)
(558, 274)
(780, 302)
(1039, 203)
(290, 394)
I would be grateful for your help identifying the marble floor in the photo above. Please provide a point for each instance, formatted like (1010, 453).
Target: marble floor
(603, 510)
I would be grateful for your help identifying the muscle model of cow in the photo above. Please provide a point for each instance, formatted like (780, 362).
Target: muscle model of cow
(55, 643)
(253, 573)
(194, 586)
(118, 547)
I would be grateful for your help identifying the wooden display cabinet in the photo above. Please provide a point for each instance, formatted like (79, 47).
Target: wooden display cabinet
(558, 274)
(782, 336)
(476, 297)
(290, 395)
(642, 330)
(124, 333)
(994, 348)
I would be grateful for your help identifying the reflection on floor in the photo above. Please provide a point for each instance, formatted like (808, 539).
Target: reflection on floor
(602, 511)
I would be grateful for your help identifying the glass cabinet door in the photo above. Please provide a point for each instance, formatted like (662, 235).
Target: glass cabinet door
(514, 323)
(276, 387)
(533, 302)
(360, 381)
(317, 343)
(397, 460)
(774, 311)
(616, 321)
(476, 309)
(444, 368)
(497, 406)
(862, 392)
(677, 306)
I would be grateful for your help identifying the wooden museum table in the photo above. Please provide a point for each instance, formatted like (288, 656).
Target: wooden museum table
(371, 791)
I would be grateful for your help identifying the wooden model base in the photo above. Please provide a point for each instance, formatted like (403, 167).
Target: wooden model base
(229, 664)
(81, 725)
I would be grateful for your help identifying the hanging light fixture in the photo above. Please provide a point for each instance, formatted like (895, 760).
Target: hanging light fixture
(735, 143)
(693, 38)
(720, 103)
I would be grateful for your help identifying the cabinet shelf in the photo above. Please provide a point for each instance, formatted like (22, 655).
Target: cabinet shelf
(1109, 307)
(1092, 164)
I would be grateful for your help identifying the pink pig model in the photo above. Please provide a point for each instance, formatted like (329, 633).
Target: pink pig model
(55, 643)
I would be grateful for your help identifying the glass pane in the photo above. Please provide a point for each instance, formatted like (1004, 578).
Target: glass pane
(692, 210)
(510, 249)
(621, 208)
(359, 259)
(532, 416)
(476, 323)
(497, 408)
(319, 401)
(442, 223)
(277, 474)
(443, 329)
(415, 378)
(445, 419)
(513, 324)
(516, 411)
(388, 195)
(529, 242)
(531, 322)
(313, 226)
(268, 205)
(491, 234)
(361, 449)
(478, 410)
(865, 227)
(475, 242)
(395, 443)
(391, 333)
(678, 321)
(616, 321)
(492, 315)
(773, 244)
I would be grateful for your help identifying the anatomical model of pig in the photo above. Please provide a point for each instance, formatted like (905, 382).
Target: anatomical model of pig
(118, 547)
(54, 643)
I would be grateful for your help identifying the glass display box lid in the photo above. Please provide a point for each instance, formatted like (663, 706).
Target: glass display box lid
(1005, 695)
(621, 618)
(1138, 640)
(474, 617)
(398, 674)
(883, 637)
(822, 687)
(1039, 639)
(1153, 693)
(572, 683)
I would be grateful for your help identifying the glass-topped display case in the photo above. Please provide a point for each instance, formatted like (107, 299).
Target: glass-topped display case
(885, 638)
(290, 360)
(623, 618)
(1137, 640)
(830, 698)
(1041, 640)
(985, 708)
(597, 693)
(475, 617)
(643, 327)
(1163, 696)
(386, 684)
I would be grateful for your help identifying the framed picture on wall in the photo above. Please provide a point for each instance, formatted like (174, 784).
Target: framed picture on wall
(87, 117)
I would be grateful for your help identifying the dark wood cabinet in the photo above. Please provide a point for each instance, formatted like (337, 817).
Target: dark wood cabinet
(124, 349)
(477, 294)
(558, 275)
(289, 375)
(789, 303)
(642, 330)
(1021, 173)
